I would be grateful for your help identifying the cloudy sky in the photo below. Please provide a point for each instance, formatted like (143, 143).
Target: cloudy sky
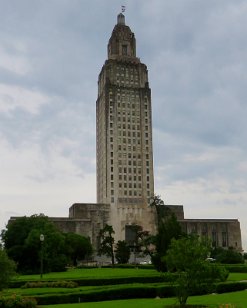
(51, 52)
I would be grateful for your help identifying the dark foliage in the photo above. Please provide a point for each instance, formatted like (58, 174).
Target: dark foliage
(227, 256)
(22, 243)
(107, 242)
(122, 252)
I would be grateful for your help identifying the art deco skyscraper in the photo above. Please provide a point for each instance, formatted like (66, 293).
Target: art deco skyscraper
(124, 135)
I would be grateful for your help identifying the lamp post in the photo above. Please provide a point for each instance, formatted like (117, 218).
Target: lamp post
(42, 238)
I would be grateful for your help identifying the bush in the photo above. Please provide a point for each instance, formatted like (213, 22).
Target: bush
(101, 281)
(230, 287)
(123, 292)
(237, 268)
(7, 269)
(50, 284)
(16, 301)
(159, 262)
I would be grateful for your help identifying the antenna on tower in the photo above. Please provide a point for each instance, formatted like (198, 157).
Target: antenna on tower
(123, 8)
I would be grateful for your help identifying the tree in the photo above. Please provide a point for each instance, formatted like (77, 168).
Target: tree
(22, 243)
(122, 252)
(168, 228)
(107, 242)
(7, 269)
(187, 256)
(77, 247)
(162, 210)
(142, 240)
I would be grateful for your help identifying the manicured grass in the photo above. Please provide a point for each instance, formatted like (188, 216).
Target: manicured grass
(92, 273)
(237, 277)
(109, 273)
(236, 298)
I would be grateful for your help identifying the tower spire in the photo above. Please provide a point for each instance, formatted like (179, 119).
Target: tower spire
(121, 19)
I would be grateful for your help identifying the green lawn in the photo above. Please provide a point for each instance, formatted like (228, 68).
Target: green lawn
(239, 299)
(237, 277)
(93, 273)
(109, 273)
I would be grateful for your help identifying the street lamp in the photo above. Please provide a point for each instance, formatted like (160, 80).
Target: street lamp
(42, 238)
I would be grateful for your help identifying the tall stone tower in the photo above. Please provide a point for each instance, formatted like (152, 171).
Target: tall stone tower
(125, 177)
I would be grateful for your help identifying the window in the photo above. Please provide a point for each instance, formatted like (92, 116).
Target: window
(124, 50)
(214, 238)
(224, 239)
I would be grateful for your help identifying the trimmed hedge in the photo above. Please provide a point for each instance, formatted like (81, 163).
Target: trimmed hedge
(226, 287)
(128, 292)
(236, 268)
(50, 284)
(99, 281)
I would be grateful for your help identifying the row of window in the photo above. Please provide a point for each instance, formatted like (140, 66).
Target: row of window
(124, 106)
(204, 227)
(124, 174)
(130, 155)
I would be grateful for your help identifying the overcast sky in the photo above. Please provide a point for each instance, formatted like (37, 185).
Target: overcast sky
(51, 52)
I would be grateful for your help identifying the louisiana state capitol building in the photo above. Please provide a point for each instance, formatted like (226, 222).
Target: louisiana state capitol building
(125, 178)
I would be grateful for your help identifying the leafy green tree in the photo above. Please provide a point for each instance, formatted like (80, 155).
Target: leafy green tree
(22, 243)
(187, 256)
(122, 252)
(168, 228)
(107, 242)
(7, 269)
(77, 247)
(162, 211)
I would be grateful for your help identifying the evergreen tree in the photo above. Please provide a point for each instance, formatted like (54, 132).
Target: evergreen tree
(107, 242)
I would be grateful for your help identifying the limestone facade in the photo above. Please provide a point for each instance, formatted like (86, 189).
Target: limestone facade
(223, 233)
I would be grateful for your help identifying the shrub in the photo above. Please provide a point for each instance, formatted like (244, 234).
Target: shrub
(7, 269)
(123, 292)
(101, 281)
(237, 268)
(50, 284)
(231, 287)
(17, 301)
